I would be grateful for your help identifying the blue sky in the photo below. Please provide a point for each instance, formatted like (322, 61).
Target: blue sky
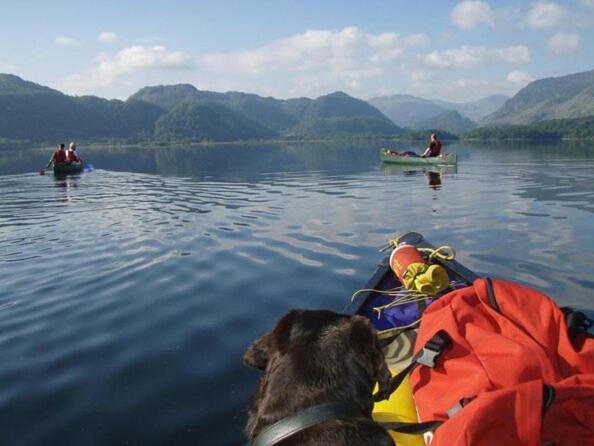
(452, 50)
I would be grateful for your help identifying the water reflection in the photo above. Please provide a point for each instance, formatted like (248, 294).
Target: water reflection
(433, 174)
(65, 185)
(241, 162)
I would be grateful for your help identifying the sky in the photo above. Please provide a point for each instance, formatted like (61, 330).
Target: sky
(438, 49)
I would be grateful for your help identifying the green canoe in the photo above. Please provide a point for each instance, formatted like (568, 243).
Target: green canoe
(64, 168)
(392, 156)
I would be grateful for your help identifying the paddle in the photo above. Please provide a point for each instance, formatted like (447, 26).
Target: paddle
(42, 171)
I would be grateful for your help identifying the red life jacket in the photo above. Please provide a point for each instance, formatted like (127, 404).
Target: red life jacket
(71, 156)
(435, 147)
(499, 346)
(60, 156)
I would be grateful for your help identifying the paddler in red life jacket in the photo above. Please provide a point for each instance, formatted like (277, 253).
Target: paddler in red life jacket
(434, 148)
(59, 155)
(72, 154)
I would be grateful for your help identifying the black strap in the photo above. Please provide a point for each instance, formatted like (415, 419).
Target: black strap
(548, 397)
(491, 294)
(426, 356)
(577, 322)
(304, 419)
(411, 428)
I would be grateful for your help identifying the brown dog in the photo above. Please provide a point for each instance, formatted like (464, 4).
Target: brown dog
(317, 357)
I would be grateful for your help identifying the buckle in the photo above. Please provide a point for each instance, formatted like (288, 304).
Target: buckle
(436, 345)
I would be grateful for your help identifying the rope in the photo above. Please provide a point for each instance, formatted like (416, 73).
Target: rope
(444, 252)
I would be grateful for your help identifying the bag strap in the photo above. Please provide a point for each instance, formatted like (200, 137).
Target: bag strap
(411, 428)
(426, 356)
(577, 322)
(491, 295)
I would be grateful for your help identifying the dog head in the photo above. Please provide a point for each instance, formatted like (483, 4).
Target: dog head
(314, 357)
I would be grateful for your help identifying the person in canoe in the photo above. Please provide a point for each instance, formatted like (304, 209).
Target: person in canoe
(434, 148)
(59, 155)
(72, 154)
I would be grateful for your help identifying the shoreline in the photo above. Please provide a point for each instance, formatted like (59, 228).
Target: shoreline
(153, 144)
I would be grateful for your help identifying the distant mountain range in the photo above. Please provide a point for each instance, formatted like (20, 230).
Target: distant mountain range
(336, 114)
(35, 113)
(411, 111)
(181, 112)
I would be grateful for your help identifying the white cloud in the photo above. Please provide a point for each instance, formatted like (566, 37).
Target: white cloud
(131, 60)
(469, 56)
(562, 42)
(312, 62)
(519, 78)
(108, 37)
(546, 15)
(588, 3)
(348, 50)
(469, 14)
(65, 41)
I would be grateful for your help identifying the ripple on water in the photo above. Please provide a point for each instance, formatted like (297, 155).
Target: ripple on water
(128, 300)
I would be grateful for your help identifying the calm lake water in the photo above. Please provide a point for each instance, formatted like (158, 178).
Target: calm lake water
(129, 294)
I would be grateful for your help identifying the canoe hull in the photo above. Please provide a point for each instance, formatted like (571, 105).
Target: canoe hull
(389, 156)
(66, 168)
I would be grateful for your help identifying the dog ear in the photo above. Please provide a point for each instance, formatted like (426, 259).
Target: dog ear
(257, 354)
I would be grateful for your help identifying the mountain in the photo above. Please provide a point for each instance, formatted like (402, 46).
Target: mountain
(411, 111)
(11, 84)
(267, 112)
(338, 114)
(195, 119)
(406, 110)
(476, 110)
(36, 113)
(165, 96)
(450, 121)
(274, 114)
(562, 97)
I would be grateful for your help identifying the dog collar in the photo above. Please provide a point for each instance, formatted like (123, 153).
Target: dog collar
(304, 419)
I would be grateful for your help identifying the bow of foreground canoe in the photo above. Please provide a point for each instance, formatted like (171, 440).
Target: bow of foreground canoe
(395, 313)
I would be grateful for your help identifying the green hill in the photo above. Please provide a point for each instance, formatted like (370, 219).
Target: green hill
(32, 112)
(451, 121)
(271, 113)
(11, 85)
(338, 114)
(197, 120)
(576, 128)
(165, 96)
(563, 97)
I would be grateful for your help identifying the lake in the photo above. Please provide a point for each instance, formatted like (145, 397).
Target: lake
(129, 294)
